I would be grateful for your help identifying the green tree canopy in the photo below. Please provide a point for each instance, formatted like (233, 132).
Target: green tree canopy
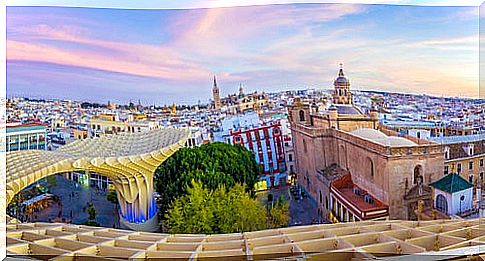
(91, 212)
(112, 197)
(215, 164)
(222, 211)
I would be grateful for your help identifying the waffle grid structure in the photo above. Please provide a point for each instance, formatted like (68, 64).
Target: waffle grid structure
(344, 241)
(128, 159)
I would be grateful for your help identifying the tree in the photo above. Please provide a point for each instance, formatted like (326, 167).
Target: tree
(238, 211)
(51, 180)
(215, 164)
(91, 216)
(91, 212)
(112, 197)
(278, 214)
(220, 211)
(191, 213)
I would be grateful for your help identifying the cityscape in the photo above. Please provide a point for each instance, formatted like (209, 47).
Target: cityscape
(341, 163)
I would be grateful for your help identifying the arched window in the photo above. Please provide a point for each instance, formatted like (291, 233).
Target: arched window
(302, 115)
(343, 157)
(371, 167)
(441, 204)
(418, 175)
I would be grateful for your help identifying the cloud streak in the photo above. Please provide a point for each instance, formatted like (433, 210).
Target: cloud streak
(264, 47)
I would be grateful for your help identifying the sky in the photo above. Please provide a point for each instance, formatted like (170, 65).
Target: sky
(162, 56)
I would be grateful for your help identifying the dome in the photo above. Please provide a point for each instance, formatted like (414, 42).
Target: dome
(369, 134)
(400, 141)
(381, 138)
(341, 79)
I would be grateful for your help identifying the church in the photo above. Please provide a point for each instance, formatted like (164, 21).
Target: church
(353, 169)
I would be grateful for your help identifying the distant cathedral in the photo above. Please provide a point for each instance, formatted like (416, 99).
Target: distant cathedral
(216, 96)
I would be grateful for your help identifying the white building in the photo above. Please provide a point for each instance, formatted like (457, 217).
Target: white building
(24, 136)
(452, 194)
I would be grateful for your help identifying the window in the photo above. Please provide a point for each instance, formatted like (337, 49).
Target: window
(304, 146)
(334, 206)
(338, 209)
(290, 157)
(458, 168)
(418, 177)
(470, 179)
(326, 201)
(302, 115)
(481, 176)
(441, 204)
(470, 165)
(371, 168)
(321, 198)
(419, 135)
(481, 162)
(447, 169)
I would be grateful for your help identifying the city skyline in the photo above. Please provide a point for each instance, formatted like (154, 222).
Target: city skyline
(165, 56)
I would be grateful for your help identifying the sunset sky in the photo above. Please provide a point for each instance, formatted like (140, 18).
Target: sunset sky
(165, 56)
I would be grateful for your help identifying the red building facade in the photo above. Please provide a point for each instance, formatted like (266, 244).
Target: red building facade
(267, 144)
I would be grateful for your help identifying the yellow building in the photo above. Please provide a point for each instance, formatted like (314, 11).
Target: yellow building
(110, 123)
(465, 155)
(80, 134)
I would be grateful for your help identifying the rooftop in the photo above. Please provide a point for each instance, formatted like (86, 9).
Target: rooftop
(348, 109)
(356, 195)
(458, 138)
(400, 123)
(25, 127)
(451, 183)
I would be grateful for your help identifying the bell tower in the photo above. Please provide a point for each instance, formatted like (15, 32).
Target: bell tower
(342, 94)
(216, 96)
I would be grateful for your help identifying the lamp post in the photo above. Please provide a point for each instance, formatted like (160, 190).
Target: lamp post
(462, 197)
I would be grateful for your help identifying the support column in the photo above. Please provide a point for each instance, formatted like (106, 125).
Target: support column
(138, 209)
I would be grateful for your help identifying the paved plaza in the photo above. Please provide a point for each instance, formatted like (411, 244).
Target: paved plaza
(76, 205)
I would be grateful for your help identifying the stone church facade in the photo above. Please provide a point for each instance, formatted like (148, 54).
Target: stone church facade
(353, 169)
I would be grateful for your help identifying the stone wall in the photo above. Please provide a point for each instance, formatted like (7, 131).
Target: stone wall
(380, 170)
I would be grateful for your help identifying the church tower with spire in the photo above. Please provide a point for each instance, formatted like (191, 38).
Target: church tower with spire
(216, 96)
(241, 90)
(342, 94)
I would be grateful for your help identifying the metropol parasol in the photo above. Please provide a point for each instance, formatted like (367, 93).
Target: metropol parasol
(128, 159)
